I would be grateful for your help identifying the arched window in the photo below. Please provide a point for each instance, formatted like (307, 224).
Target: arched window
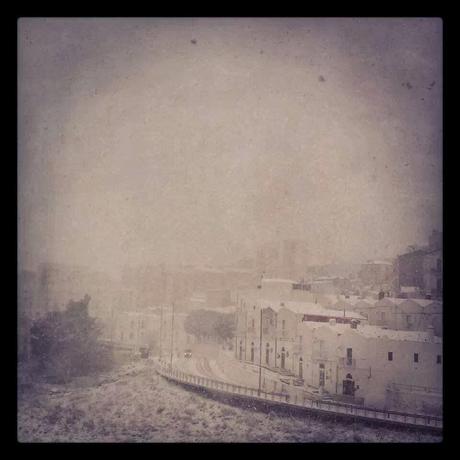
(252, 351)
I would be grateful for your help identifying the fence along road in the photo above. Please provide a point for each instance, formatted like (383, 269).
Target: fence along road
(434, 423)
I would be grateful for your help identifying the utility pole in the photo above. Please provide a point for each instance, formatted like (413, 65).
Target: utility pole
(138, 331)
(172, 335)
(161, 328)
(260, 352)
(112, 324)
(246, 337)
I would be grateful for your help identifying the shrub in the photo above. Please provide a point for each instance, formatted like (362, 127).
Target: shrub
(65, 344)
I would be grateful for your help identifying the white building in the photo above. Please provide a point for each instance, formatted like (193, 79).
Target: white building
(407, 314)
(399, 370)
(336, 352)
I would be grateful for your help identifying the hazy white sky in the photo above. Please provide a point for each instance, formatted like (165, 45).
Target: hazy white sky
(191, 140)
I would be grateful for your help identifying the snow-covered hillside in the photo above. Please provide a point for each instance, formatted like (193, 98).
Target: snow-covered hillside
(133, 404)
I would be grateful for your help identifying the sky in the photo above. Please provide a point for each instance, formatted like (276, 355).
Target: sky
(195, 140)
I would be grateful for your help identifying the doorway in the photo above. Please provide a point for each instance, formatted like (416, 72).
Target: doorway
(321, 375)
(349, 385)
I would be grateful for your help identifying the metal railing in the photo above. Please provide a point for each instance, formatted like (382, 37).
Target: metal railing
(302, 401)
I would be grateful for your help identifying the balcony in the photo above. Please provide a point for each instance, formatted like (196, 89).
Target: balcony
(347, 363)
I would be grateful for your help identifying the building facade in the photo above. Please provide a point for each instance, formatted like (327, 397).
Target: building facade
(393, 370)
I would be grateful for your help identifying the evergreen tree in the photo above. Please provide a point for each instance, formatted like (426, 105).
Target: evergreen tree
(65, 344)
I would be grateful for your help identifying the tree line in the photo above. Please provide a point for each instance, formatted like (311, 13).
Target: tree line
(210, 325)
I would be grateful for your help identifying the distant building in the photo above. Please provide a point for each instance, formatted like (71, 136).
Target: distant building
(377, 274)
(422, 269)
(432, 274)
(411, 269)
(283, 259)
(407, 314)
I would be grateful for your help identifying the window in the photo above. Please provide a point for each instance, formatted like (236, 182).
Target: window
(349, 356)
(252, 324)
(283, 324)
(390, 356)
(409, 320)
(438, 359)
(415, 357)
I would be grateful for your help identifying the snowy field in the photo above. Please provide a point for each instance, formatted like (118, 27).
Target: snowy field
(133, 404)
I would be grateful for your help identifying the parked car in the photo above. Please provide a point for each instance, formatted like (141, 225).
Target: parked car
(188, 353)
(145, 352)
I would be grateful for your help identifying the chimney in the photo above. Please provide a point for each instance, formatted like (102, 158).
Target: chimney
(332, 321)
